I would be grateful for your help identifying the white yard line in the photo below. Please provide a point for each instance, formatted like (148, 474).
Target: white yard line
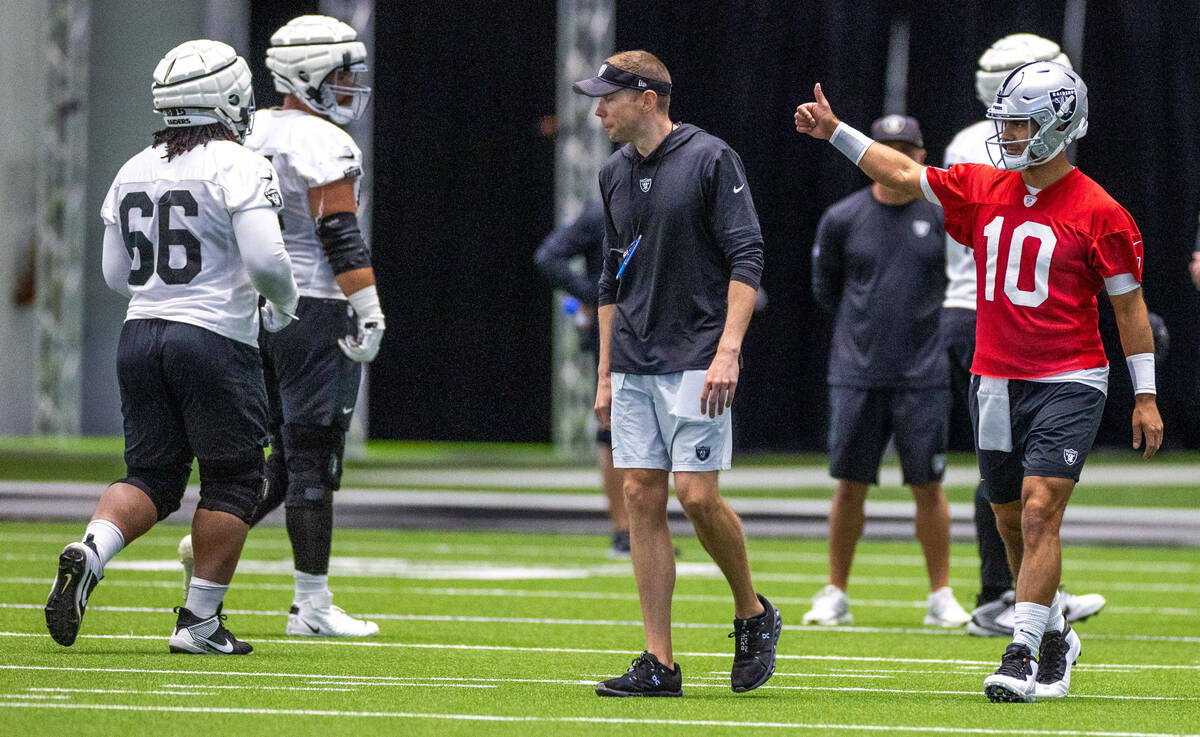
(847, 629)
(927, 729)
(549, 650)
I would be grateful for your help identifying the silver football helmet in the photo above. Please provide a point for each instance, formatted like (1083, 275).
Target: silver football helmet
(204, 82)
(1009, 53)
(306, 51)
(1053, 99)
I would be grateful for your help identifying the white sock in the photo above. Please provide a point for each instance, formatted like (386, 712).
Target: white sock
(205, 597)
(1029, 624)
(308, 584)
(106, 537)
(1055, 622)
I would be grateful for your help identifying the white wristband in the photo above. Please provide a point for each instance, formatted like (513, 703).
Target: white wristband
(852, 143)
(1141, 370)
(366, 305)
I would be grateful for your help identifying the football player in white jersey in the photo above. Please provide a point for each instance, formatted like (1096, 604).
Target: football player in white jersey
(994, 611)
(192, 238)
(313, 370)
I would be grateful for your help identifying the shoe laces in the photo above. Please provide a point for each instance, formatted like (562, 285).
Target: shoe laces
(745, 630)
(641, 663)
(1054, 657)
(1015, 662)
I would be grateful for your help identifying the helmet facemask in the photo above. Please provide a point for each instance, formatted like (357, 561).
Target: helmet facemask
(338, 85)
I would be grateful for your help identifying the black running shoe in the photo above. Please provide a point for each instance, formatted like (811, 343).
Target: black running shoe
(78, 573)
(1015, 679)
(620, 544)
(646, 677)
(205, 636)
(754, 654)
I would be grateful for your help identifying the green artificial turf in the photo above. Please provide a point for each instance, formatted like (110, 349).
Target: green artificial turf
(502, 634)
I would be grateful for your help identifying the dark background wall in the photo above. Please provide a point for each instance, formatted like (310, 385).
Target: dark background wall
(464, 182)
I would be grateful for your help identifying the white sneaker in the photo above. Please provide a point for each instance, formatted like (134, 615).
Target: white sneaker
(188, 560)
(1059, 652)
(1078, 608)
(1016, 678)
(944, 610)
(830, 606)
(995, 618)
(320, 617)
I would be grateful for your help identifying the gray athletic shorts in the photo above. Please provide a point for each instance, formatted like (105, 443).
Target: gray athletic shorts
(309, 380)
(657, 423)
(1031, 428)
(862, 420)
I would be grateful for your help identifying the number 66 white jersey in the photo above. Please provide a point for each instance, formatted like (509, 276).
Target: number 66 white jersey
(169, 233)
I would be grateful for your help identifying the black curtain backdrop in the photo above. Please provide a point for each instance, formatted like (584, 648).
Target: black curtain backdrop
(464, 183)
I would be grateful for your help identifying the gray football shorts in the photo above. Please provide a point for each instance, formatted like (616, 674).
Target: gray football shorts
(1031, 428)
(657, 423)
(309, 380)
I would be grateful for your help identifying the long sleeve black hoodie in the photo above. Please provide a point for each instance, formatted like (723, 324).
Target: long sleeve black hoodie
(690, 203)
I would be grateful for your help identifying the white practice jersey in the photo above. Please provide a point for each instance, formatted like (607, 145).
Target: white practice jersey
(307, 151)
(968, 147)
(176, 225)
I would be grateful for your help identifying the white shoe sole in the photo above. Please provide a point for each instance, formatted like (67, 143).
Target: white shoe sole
(1004, 690)
(300, 628)
(829, 621)
(947, 623)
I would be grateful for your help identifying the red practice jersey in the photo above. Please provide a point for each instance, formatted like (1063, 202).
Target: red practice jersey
(1040, 261)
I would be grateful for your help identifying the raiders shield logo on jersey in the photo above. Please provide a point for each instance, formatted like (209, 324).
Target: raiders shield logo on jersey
(702, 452)
(1070, 455)
(645, 183)
(274, 197)
(921, 228)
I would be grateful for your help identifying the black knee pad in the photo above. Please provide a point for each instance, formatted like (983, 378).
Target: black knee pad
(313, 454)
(164, 486)
(232, 485)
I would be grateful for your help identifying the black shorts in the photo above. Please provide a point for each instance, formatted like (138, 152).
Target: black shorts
(1052, 427)
(309, 380)
(187, 392)
(862, 420)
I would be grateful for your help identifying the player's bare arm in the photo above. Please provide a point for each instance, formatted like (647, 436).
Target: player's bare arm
(1137, 342)
(720, 382)
(883, 164)
(333, 198)
(603, 406)
(334, 208)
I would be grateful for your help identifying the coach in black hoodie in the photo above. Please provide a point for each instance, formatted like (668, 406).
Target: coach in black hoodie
(682, 266)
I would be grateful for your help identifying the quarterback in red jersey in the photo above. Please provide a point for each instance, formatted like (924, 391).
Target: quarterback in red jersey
(1046, 240)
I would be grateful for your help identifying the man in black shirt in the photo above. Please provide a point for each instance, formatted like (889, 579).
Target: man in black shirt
(683, 260)
(878, 264)
(584, 236)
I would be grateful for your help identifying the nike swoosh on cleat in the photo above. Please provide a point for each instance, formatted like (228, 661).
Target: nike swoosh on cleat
(315, 630)
(224, 647)
(66, 583)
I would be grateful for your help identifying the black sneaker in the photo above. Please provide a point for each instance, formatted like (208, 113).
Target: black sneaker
(754, 653)
(645, 677)
(620, 544)
(1016, 678)
(205, 636)
(78, 573)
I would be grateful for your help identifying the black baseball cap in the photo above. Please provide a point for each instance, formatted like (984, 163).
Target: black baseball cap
(898, 128)
(610, 79)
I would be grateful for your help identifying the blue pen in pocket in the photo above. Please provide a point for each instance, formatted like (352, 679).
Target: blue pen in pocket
(628, 255)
